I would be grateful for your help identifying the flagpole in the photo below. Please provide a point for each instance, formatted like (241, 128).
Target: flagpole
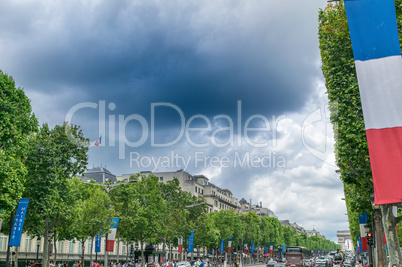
(9, 237)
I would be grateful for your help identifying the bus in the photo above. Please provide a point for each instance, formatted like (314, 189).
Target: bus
(295, 255)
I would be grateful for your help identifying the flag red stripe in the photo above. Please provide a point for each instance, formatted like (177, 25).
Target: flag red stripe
(386, 157)
(110, 245)
(364, 243)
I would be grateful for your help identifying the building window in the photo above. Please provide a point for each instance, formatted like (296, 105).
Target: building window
(210, 210)
(3, 242)
(71, 247)
(88, 251)
(60, 248)
(202, 192)
(160, 179)
(28, 242)
(216, 203)
(123, 249)
(79, 247)
(196, 189)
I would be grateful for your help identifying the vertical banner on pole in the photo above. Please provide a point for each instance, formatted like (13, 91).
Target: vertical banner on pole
(16, 232)
(112, 236)
(265, 250)
(271, 248)
(180, 244)
(252, 247)
(98, 239)
(191, 242)
(363, 219)
(229, 244)
(283, 248)
(222, 247)
(377, 53)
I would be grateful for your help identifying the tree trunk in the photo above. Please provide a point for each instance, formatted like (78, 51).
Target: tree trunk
(118, 250)
(55, 248)
(142, 253)
(90, 252)
(45, 254)
(82, 253)
(127, 247)
(17, 249)
(389, 223)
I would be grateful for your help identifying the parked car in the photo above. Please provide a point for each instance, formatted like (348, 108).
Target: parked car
(271, 263)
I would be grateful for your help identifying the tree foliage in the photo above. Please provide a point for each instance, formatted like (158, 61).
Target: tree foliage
(53, 159)
(17, 123)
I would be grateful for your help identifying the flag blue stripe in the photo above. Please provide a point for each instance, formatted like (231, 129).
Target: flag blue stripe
(373, 28)
(363, 218)
(115, 221)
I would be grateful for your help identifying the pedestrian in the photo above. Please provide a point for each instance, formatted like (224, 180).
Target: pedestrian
(202, 263)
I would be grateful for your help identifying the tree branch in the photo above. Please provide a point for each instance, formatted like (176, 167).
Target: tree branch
(370, 182)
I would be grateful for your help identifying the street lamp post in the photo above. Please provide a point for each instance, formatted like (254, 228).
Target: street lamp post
(38, 240)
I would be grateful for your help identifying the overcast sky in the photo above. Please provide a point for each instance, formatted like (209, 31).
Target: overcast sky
(229, 89)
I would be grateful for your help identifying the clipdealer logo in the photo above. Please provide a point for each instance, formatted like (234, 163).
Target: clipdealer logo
(237, 133)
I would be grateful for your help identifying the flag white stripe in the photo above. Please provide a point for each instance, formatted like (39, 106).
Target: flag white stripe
(112, 235)
(362, 231)
(380, 82)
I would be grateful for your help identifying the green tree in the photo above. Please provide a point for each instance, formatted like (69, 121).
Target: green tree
(92, 215)
(142, 221)
(252, 233)
(174, 223)
(17, 123)
(49, 185)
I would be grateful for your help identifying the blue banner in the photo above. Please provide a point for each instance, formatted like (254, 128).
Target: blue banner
(284, 248)
(16, 232)
(265, 249)
(191, 242)
(98, 239)
(252, 247)
(222, 246)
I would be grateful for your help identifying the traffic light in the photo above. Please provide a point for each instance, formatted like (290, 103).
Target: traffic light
(370, 238)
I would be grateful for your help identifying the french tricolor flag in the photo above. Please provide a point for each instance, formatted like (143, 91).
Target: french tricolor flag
(180, 244)
(112, 235)
(229, 244)
(363, 220)
(377, 53)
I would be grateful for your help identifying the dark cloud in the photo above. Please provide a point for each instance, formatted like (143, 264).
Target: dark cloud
(137, 53)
